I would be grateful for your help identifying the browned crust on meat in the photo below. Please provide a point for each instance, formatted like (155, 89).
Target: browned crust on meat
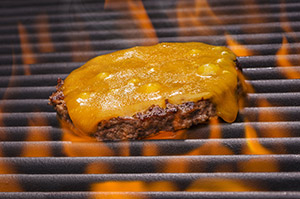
(57, 101)
(154, 119)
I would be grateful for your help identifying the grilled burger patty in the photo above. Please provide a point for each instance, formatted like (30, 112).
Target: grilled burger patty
(178, 106)
(154, 119)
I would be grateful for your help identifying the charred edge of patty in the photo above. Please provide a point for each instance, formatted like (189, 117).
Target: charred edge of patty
(155, 119)
(58, 102)
(142, 124)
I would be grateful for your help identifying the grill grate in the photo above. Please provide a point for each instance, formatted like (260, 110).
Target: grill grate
(255, 157)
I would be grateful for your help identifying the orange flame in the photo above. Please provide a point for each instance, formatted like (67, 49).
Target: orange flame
(138, 13)
(181, 134)
(254, 11)
(253, 145)
(69, 133)
(34, 134)
(112, 195)
(264, 164)
(125, 148)
(32, 150)
(285, 63)
(271, 117)
(179, 165)
(221, 184)
(78, 49)
(9, 184)
(10, 82)
(80, 145)
(133, 186)
(268, 164)
(28, 56)
(284, 18)
(98, 168)
(44, 37)
(150, 149)
(86, 149)
(189, 15)
(236, 47)
(212, 147)
(36, 150)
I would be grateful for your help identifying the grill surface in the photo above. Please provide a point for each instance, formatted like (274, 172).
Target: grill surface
(255, 157)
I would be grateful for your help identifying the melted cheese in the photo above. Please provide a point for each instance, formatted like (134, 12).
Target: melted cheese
(129, 81)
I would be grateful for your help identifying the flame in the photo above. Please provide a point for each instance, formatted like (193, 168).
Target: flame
(138, 13)
(40, 150)
(222, 184)
(284, 62)
(70, 133)
(98, 168)
(34, 133)
(43, 34)
(265, 164)
(11, 81)
(133, 186)
(253, 145)
(80, 145)
(77, 48)
(2, 124)
(194, 12)
(254, 10)
(213, 146)
(125, 148)
(150, 149)
(111, 195)
(236, 47)
(271, 117)
(86, 149)
(179, 165)
(28, 56)
(181, 134)
(9, 184)
(285, 22)
(36, 150)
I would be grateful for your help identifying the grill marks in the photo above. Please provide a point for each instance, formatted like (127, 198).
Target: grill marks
(25, 101)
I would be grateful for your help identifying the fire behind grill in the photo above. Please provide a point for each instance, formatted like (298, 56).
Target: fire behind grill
(255, 157)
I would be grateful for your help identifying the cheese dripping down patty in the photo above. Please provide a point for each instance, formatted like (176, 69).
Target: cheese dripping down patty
(130, 81)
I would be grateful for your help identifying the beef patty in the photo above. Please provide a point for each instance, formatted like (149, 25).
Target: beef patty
(133, 93)
(142, 124)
